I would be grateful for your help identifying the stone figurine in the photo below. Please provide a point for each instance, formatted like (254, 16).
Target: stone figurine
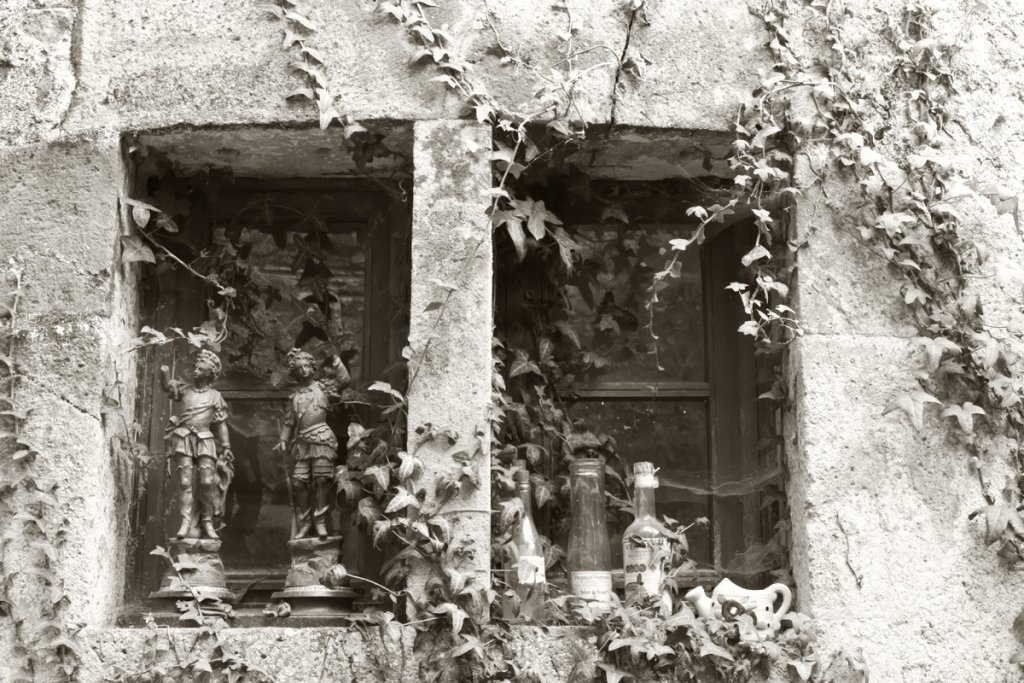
(314, 447)
(197, 440)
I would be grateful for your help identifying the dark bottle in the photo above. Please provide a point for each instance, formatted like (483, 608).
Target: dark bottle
(646, 547)
(589, 561)
(527, 576)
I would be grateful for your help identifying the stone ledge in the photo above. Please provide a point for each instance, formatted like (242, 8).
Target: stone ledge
(356, 652)
(300, 655)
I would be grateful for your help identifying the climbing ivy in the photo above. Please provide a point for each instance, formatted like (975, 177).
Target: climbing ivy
(31, 593)
(812, 104)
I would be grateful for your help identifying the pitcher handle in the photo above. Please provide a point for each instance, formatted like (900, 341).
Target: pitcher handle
(787, 598)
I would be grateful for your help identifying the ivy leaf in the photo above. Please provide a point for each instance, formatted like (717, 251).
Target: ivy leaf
(999, 518)
(458, 617)
(802, 668)
(893, 223)
(964, 414)
(612, 673)
(369, 510)
(915, 294)
(566, 247)
(411, 466)
(868, 156)
(381, 475)
(912, 403)
(484, 113)
(614, 211)
(710, 649)
(537, 216)
(386, 388)
(934, 349)
(403, 499)
(301, 20)
(522, 367)
(394, 10)
(159, 551)
(514, 225)
(133, 250)
(469, 643)
(755, 254)
(312, 53)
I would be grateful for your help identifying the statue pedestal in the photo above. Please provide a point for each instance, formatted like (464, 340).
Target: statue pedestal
(312, 562)
(200, 566)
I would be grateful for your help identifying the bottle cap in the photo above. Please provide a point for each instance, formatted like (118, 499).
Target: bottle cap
(521, 476)
(643, 468)
(644, 475)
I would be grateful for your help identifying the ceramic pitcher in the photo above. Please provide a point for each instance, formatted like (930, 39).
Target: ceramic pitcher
(728, 601)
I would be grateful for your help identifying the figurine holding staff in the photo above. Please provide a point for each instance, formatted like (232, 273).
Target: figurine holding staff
(197, 439)
(314, 447)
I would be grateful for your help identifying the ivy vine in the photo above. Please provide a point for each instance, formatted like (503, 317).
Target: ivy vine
(904, 213)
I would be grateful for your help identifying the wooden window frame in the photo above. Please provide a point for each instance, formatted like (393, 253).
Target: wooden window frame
(384, 332)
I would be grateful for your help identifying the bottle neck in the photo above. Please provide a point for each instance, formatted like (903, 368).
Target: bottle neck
(644, 501)
(523, 491)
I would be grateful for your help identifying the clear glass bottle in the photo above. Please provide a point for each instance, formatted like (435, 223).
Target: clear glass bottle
(528, 576)
(589, 556)
(646, 543)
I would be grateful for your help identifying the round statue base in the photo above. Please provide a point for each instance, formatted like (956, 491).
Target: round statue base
(201, 572)
(317, 599)
(315, 581)
(201, 592)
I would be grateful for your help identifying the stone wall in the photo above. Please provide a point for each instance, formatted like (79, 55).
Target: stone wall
(884, 556)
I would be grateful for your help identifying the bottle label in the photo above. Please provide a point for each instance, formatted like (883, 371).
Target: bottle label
(530, 570)
(644, 566)
(592, 585)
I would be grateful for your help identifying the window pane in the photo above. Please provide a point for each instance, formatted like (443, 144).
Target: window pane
(673, 435)
(257, 512)
(608, 302)
(324, 303)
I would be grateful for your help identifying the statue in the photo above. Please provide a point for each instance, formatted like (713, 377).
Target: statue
(314, 446)
(197, 439)
(197, 443)
(316, 581)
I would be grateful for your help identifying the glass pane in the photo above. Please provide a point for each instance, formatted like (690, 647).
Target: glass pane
(609, 308)
(257, 510)
(306, 309)
(673, 435)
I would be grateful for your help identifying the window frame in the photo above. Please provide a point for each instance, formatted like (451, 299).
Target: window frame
(385, 328)
(730, 391)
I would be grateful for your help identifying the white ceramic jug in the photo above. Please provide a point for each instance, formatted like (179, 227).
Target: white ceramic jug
(728, 601)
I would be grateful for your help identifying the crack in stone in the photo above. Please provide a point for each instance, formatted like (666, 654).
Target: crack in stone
(618, 73)
(39, 384)
(76, 63)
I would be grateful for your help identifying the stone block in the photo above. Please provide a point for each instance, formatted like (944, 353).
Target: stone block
(841, 286)
(59, 218)
(696, 64)
(450, 374)
(883, 550)
(37, 74)
(73, 458)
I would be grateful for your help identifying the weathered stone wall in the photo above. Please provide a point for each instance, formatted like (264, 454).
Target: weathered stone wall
(871, 497)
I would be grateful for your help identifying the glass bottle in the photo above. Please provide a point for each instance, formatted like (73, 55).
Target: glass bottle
(528, 575)
(589, 560)
(646, 546)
